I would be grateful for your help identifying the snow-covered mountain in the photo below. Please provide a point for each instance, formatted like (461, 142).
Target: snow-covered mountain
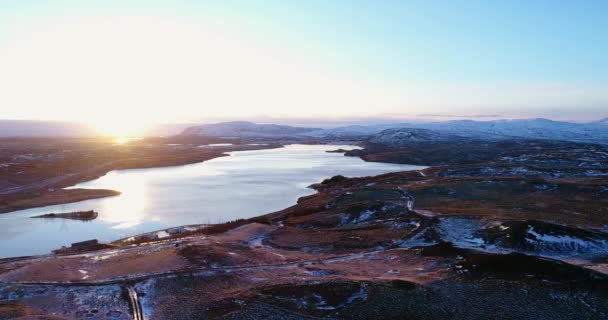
(354, 130)
(402, 136)
(246, 129)
(532, 128)
(539, 128)
(499, 129)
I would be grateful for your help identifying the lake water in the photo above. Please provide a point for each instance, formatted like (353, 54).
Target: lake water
(242, 185)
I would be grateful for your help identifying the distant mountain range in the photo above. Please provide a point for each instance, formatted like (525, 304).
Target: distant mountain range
(596, 131)
(246, 129)
(31, 128)
(499, 129)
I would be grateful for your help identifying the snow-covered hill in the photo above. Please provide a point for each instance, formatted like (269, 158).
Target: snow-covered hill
(405, 135)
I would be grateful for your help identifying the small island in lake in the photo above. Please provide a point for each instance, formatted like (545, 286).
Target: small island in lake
(76, 215)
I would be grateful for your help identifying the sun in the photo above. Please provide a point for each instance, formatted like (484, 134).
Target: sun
(121, 129)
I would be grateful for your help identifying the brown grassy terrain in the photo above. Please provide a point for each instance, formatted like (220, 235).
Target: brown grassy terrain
(302, 263)
(562, 182)
(518, 235)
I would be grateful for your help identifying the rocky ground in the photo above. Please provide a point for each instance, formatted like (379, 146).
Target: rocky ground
(555, 181)
(487, 240)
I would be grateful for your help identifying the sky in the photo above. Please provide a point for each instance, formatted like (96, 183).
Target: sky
(122, 65)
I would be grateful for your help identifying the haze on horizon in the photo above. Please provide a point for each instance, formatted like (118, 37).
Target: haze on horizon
(122, 65)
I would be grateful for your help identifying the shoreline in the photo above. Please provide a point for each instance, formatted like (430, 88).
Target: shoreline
(61, 196)
(51, 191)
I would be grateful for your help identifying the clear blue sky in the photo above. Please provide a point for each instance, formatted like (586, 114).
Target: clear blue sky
(537, 57)
(437, 40)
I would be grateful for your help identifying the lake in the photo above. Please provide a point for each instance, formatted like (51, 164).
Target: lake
(242, 185)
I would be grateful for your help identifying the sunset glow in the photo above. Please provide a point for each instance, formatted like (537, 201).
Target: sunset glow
(112, 66)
